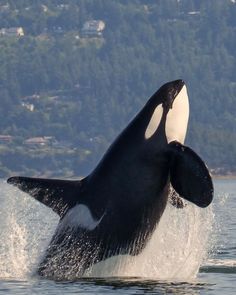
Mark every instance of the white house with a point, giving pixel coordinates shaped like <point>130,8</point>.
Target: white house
<point>14,32</point>
<point>93,28</point>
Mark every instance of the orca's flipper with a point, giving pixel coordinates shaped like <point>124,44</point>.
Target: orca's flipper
<point>59,195</point>
<point>189,175</point>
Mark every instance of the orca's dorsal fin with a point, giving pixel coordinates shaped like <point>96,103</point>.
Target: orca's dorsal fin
<point>189,175</point>
<point>59,195</point>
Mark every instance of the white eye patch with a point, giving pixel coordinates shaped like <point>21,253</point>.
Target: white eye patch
<point>154,122</point>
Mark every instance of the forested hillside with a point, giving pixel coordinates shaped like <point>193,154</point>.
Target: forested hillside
<point>65,95</point>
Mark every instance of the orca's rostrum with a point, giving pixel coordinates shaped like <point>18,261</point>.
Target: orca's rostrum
<point>116,208</point>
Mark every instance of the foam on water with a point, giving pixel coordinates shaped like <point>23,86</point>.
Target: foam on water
<point>26,228</point>
<point>176,250</point>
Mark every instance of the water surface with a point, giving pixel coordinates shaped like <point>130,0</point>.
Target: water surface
<point>193,251</point>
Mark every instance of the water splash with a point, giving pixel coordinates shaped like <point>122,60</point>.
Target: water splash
<point>176,250</point>
<point>26,228</point>
<point>224,245</point>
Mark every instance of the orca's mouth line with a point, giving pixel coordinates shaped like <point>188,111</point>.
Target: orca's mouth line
<point>168,103</point>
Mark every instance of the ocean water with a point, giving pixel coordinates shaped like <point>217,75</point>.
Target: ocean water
<point>193,251</point>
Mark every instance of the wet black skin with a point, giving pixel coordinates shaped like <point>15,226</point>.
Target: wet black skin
<point>129,189</point>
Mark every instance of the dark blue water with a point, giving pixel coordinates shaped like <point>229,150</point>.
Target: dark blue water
<point>193,251</point>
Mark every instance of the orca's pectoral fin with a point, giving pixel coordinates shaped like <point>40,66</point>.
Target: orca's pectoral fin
<point>57,194</point>
<point>189,175</point>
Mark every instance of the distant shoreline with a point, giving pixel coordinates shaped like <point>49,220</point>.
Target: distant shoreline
<point>228,176</point>
<point>51,174</point>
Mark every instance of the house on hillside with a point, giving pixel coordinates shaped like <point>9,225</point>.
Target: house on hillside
<point>5,8</point>
<point>194,12</point>
<point>28,106</point>
<point>12,32</point>
<point>6,138</point>
<point>93,28</point>
<point>39,141</point>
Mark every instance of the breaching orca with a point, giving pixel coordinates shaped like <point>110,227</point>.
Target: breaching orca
<point>116,208</point>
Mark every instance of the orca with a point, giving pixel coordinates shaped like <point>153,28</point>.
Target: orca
<point>116,208</point>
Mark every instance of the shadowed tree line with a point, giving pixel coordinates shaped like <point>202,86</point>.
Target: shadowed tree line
<point>85,90</point>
